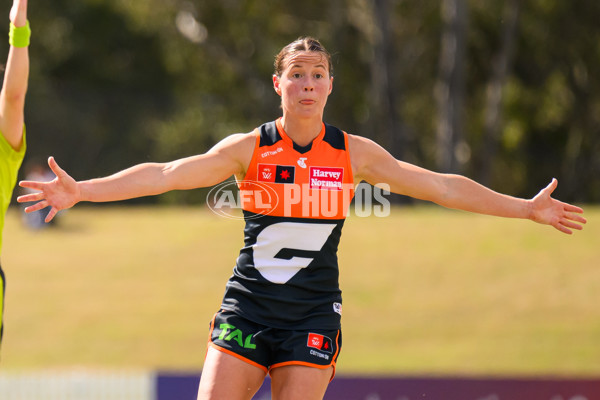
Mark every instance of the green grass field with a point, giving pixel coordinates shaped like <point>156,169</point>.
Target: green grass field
<point>426,291</point>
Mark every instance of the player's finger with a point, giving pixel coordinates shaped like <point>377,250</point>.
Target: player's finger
<point>562,228</point>
<point>577,218</point>
<point>569,224</point>
<point>571,208</point>
<point>551,187</point>
<point>58,171</point>
<point>51,214</point>
<point>36,206</point>
<point>32,185</point>
<point>556,223</point>
<point>30,197</point>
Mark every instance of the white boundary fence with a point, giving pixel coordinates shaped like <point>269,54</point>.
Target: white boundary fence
<point>77,385</point>
<point>156,385</point>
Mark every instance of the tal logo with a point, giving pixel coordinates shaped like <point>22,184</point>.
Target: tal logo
<point>301,162</point>
<point>230,332</point>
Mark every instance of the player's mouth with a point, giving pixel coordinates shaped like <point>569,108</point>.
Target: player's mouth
<point>307,102</point>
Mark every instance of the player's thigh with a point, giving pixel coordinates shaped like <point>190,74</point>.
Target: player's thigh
<point>225,377</point>
<point>296,382</point>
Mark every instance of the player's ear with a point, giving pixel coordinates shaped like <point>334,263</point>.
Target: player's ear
<point>276,84</point>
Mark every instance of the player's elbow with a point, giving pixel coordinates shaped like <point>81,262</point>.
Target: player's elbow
<point>15,98</point>
<point>455,191</point>
<point>443,190</point>
<point>168,177</point>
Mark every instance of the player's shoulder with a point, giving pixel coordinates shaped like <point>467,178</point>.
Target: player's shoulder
<point>364,153</point>
<point>240,146</point>
<point>362,144</point>
<point>238,139</point>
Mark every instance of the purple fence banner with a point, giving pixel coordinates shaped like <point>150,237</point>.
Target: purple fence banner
<point>173,386</point>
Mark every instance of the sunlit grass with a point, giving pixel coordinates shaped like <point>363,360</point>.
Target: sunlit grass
<point>426,290</point>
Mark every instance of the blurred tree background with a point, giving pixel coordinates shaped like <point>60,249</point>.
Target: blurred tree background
<point>506,92</point>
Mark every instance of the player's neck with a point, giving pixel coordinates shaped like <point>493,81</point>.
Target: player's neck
<point>302,130</point>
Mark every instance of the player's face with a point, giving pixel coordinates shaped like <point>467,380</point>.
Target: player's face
<point>304,84</point>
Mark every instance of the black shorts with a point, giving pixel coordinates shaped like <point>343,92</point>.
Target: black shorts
<point>268,348</point>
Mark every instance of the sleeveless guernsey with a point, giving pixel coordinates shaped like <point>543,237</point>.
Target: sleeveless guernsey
<point>295,201</point>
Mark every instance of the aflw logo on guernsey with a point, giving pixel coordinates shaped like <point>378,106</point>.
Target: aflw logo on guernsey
<point>276,173</point>
<point>329,178</point>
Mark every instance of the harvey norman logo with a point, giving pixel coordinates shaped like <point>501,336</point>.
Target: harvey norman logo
<point>329,178</point>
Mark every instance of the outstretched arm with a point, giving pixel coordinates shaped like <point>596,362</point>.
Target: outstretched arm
<point>12,97</point>
<point>229,157</point>
<point>375,165</point>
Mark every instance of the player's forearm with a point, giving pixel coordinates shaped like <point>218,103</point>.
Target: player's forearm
<point>16,77</point>
<point>465,194</point>
<point>17,66</point>
<point>12,98</point>
<point>138,181</point>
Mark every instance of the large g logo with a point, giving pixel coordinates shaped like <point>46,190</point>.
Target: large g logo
<point>284,248</point>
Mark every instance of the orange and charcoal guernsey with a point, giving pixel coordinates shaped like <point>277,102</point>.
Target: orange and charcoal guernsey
<point>295,201</point>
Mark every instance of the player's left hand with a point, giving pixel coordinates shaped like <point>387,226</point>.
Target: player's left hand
<point>549,211</point>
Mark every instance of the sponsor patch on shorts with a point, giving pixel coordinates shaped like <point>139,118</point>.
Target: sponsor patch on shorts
<point>320,342</point>
<point>337,307</point>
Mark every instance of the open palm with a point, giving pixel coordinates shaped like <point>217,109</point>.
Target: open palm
<point>549,211</point>
<point>60,193</point>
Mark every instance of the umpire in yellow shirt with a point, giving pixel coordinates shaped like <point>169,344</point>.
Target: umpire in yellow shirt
<point>12,126</point>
